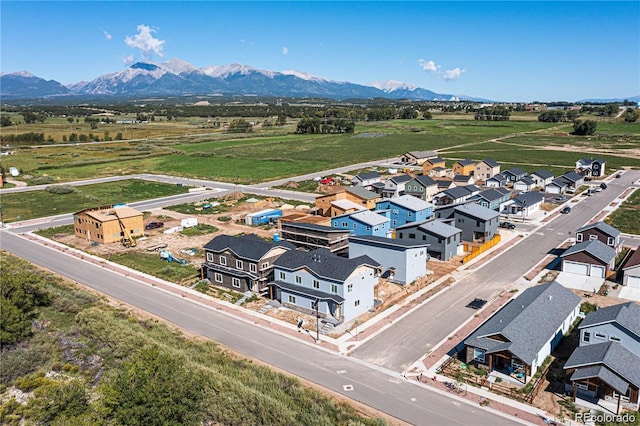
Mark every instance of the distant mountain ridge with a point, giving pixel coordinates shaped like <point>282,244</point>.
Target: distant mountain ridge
<point>177,77</point>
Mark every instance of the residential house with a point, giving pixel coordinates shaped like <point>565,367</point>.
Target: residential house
<point>492,198</point>
<point>521,335</point>
<point>631,271</point>
<point>590,167</point>
<point>365,180</point>
<point>542,178</point>
<point>478,224</point>
<point>592,258</point>
<point>514,174</point>
<point>463,180</point>
<point>525,184</point>
<point>486,169</point>
<point>242,263</point>
<point>456,195</point>
<point>378,188</point>
<point>311,236</point>
<point>323,284</point>
<point>557,186</point>
<point>395,186</point>
<point>433,163</point>
<point>618,323</point>
<point>108,224</point>
<point>444,241</point>
<point>422,187</point>
<point>340,207</point>
<point>362,196</point>
<point>444,184</point>
<point>602,232</point>
<point>463,167</point>
<point>497,181</point>
<point>440,172</point>
<point>402,261</point>
<point>325,206</point>
<point>525,204</point>
<point>364,222</point>
<point>417,157</point>
<point>573,179</point>
<point>404,208</point>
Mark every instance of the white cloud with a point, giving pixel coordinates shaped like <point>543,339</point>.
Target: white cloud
<point>285,50</point>
<point>107,35</point>
<point>429,66</point>
<point>128,60</point>
<point>145,41</point>
<point>453,74</point>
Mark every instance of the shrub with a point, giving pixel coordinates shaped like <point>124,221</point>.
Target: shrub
<point>61,189</point>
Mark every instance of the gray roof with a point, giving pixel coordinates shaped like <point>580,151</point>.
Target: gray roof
<point>491,162</point>
<point>528,198</point>
<point>313,227</point>
<point>425,180</point>
<point>595,248</point>
<point>618,362</point>
<point>444,183</point>
<point>527,180</point>
<point>322,263</point>
<point>589,161</point>
<point>601,226</point>
<point>625,314</point>
<point>477,211</point>
<point>436,160</point>
<point>457,192</point>
<point>559,182</point>
<point>422,154</point>
<point>249,247</point>
<point>466,162</point>
<point>526,322</point>
<point>386,242</point>
<point>516,171</point>
<point>493,194</point>
<point>462,178</point>
<point>410,202</point>
<point>633,260</point>
<point>369,218</point>
<point>572,176</point>
<point>362,193</point>
<point>543,174</point>
<point>439,229</point>
<point>401,178</point>
<point>367,176</point>
<point>500,177</point>
<point>306,291</point>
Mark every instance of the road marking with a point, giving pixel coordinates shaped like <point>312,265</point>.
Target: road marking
<point>414,400</point>
<point>457,404</point>
<point>341,372</point>
<point>347,388</point>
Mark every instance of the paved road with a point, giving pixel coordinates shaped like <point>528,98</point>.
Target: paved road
<point>375,387</point>
<point>403,343</point>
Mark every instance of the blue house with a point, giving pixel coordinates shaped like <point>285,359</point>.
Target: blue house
<point>404,209</point>
<point>319,282</point>
<point>364,222</point>
<point>492,198</point>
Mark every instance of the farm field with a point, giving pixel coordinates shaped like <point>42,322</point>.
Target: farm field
<point>259,157</point>
<point>625,218</point>
<point>29,205</point>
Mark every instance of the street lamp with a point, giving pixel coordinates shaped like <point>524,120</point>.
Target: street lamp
<point>316,306</point>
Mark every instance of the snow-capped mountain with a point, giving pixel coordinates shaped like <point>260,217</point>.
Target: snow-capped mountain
<point>177,77</point>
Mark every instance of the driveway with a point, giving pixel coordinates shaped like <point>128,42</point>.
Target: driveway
<point>579,282</point>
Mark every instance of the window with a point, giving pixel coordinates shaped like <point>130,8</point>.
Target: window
<point>410,214</point>
<point>357,303</point>
<point>478,354</point>
<point>614,338</point>
<point>600,336</point>
<point>316,284</point>
<point>586,337</point>
<point>355,226</point>
<point>395,222</point>
<point>292,299</point>
<point>368,228</point>
<point>424,238</point>
<point>350,287</point>
<point>334,288</point>
<point>223,260</point>
<point>400,235</point>
<point>209,257</point>
<point>298,279</point>
<point>239,264</point>
<point>344,224</point>
<point>217,277</point>
<point>593,237</point>
<point>235,282</point>
<point>253,267</point>
<point>282,275</point>
<point>579,237</point>
<point>412,236</point>
<point>610,241</point>
<point>265,265</point>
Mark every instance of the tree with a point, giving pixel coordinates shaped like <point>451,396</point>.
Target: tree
<point>584,127</point>
<point>70,120</point>
<point>240,126</point>
<point>5,120</point>
<point>631,115</point>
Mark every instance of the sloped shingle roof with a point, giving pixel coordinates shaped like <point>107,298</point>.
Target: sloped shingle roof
<point>595,248</point>
<point>410,202</point>
<point>625,314</point>
<point>439,228</point>
<point>249,246</point>
<point>477,211</point>
<point>362,193</point>
<point>323,263</point>
<point>601,226</point>
<point>543,174</point>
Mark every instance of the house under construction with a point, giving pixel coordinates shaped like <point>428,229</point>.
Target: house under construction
<point>109,224</point>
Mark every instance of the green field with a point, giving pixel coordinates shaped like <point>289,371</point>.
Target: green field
<point>625,218</point>
<point>28,205</point>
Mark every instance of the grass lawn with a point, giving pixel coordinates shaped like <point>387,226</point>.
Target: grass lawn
<point>199,229</point>
<point>625,218</point>
<point>152,264</point>
<point>29,205</point>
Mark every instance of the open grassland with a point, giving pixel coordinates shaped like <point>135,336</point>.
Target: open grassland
<point>70,358</point>
<point>625,218</point>
<point>32,204</point>
<point>262,156</point>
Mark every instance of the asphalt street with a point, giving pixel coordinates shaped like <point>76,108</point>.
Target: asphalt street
<point>386,391</point>
<point>404,342</point>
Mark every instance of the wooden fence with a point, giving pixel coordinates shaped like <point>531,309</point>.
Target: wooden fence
<point>477,250</point>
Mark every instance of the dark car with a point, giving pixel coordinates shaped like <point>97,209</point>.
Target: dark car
<point>507,225</point>
<point>618,176</point>
<point>566,210</point>
<point>603,185</point>
<point>153,225</point>
<point>561,198</point>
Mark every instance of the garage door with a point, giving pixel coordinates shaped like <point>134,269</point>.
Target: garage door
<point>633,282</point>
<point>597,271</point>
<point>575,268</point>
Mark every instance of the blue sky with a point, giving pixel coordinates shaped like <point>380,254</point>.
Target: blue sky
<point>506,50</point>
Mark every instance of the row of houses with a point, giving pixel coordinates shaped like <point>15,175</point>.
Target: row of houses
<point>518,338</point>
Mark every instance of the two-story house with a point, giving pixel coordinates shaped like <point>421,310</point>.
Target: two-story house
<point>431,164</point>
<point>423,187</point>
<point>492,198</point>
<point>444,241</point>
<point>364,222</point>
<point>590,167</point>
<point>323,284</point>
<point>497,181</point>
<point>463,167</point>
<point>591,258</point>
<point>417,157</point>
<point>478,224</point>
<point>605,365</point>
<point>242,263</point>
<point>403,209</point>
<point>486,169</point>
<point>362,196</point>
<point>514,174</point>
<point>395,186</point>
<point>602,232</point>
<point>365,180</point>
<point>542,178</point>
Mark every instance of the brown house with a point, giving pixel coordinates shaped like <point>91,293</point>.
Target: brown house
<point>325,204</point>
<point>463,167</point>
<point>108,224</point>
<point>431,164</point>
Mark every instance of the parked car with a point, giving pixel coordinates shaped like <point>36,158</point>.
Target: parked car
<point>153,225</point>
<point>566,210</point>
<point>507,225</point>
<point>618,176</point>
<point>561,198</point>
<point>603,185</point>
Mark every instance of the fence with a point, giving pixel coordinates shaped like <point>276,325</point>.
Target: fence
<point>477,250</point>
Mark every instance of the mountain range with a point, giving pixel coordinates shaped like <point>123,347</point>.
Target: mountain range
<point>180,78</point>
